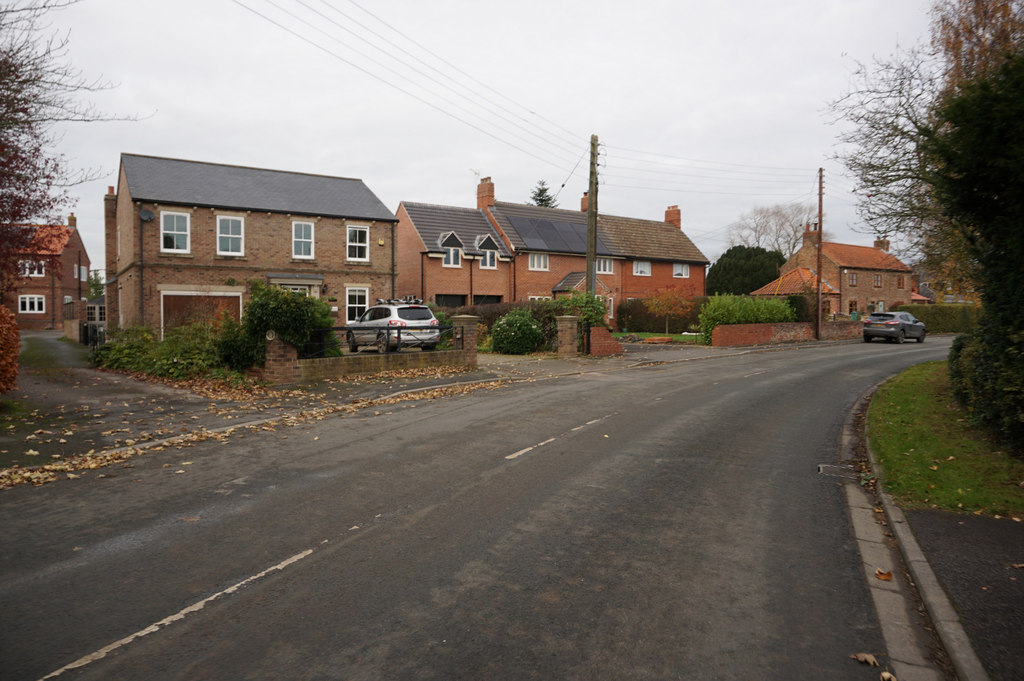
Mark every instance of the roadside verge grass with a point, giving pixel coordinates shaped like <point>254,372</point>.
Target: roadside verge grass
<point>690,338</point>
<point>931,456</point>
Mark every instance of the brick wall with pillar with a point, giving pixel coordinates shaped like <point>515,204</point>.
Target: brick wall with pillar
<point>282,361</point>
<point>465,336</point>
<point>567,326</point>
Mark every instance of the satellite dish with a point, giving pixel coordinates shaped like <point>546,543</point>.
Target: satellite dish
<point>146,215</point>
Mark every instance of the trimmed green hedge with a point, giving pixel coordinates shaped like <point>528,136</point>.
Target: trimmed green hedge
<point>742,310</point>
<point>958,318</point>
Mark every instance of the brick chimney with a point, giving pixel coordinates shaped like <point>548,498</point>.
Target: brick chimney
<point>72,221</point>
<point>484,193</point>
<point>811,234</point>
<point>674,216</point>
<point>110,242</point>
<point>882,244</point>
<point>585,202</point>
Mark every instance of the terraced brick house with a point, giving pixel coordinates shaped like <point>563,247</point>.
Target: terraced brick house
<point>51,277</point>
<point>541,253</point>
<point>183,239</point>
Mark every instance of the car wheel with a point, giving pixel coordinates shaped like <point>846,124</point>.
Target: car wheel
<point>867,339</point>
<point>920,339</point>
<point>900,337</point>
<point>352,345</point>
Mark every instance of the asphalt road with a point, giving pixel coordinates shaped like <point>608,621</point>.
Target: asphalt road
<point>666,522</point>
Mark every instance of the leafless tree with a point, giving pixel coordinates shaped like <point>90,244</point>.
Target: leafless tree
<point>774,228</point>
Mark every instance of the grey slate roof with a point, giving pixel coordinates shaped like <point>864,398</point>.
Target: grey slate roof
<point>195,183</point>
<point>435,223</point>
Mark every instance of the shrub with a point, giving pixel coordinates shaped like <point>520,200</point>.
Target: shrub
<point>986,370</point>
<point>950,318</point>
<point>742,310</point>
<point>128,349</point>
<point>186,352</point>
<point>10,344</point>
<point>517,333</point>
<point>634,316</point>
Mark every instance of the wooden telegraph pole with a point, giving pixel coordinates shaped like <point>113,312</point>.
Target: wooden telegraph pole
<point>821,191</point>
<point>592,219</point>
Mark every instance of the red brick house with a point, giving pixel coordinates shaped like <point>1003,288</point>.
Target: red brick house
<point>51,277</point>
<point>541,253</point>
<point>862,278</point>
<point>183,238</point>
<point>801,282</point>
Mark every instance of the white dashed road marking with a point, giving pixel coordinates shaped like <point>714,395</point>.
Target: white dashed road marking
<point>516,455</point>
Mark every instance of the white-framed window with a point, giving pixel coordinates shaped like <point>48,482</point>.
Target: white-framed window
<point>539,262</point>
<point>32,304</point>
<point>489,260</point>
<point>681,270</point>
<point>230,235</point>
<point>358,243</point>
<point>32,268</point>
<point>356,302</point>
<point>641,268</point>
<point>302,240</point>
<point>85,274</point>
<point>452,258</point>
<point>174,232</point>
<point>878,281</point>
<point>69,299</point>
<point>604,265</point>
<point>74,269</point>
<point>538,297</point>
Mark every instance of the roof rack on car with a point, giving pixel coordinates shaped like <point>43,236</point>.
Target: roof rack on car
<point>407,300</point>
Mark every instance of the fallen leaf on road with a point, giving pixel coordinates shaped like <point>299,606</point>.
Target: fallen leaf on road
<point>178,471</point>
<point>886,676</point>
<point>866,658</point>
<point>883,575</point>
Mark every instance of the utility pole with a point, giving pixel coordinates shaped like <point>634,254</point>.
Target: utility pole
<point>821,192</point>
<point>592,219</point>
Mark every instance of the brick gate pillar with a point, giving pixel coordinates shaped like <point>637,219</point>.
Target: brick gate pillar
<point>465,336</point>
<point>568,329</point>
<point>282,360</point>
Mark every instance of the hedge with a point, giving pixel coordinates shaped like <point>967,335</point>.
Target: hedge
<point>10,346</point>
<point>946,318</point>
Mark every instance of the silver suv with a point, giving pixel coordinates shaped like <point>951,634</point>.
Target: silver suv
<point>893,327</point>
<point>391,324</point>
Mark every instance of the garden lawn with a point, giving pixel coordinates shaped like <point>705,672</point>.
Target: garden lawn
<point>931,456</point>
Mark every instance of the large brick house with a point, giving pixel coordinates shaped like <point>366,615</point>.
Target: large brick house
<point>538,253</point>
<point>50,277</point>
<point>859,279</point>
<point>183,239</point>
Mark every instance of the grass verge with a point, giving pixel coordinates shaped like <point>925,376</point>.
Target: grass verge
<point>690,338</point>
<point>931,456</point>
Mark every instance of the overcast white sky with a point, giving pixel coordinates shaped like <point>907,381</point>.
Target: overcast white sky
<point>716,107</point>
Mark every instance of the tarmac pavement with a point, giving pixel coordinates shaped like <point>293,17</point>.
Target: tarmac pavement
<point>968,570</point>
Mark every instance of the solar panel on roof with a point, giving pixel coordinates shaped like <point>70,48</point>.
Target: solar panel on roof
<point>555,236</point>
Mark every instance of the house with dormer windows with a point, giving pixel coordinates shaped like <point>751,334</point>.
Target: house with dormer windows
<point>538,253</point>
<point>184,238</point>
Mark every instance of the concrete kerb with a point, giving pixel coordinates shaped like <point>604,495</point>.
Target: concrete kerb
<point>940,610</point>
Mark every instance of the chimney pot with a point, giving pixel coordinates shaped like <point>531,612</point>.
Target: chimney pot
<point>484,193</point>
<point>110,190</point>
<point>674,216</point>
<point>72,220</point>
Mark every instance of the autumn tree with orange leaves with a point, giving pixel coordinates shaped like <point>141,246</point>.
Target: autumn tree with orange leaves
<point>668,302</point>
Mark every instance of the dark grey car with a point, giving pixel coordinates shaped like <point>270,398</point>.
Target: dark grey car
<point>893,327</point>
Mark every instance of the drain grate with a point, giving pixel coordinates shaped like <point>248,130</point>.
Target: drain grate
<point>836,471</point>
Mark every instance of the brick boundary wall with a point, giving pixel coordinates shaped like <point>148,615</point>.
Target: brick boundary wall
<point>726,335</point>
<point>602,344</point>
<point>282,364</point>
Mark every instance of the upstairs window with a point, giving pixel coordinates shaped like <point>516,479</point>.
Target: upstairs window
<point>539,262</point>
<point>878,281</point>
<point>489,260</point>
<point>174,232</point>
<point>32,268</point>
<point>302,240</point>
<point>230,236</point>
<point>900,282</point>
<point>452,257</point>
<point>604,265</point>
<point>853,278</point>
<point>358,243</point>
<point>641,268</point>
<point>681,270</point>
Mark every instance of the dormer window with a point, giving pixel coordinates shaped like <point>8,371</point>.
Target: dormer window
<point>452,257</point>
<point>489,260</point>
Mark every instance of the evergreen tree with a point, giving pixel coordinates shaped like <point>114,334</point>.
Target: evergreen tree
<point>541,196</point>
<point>743,269</point>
